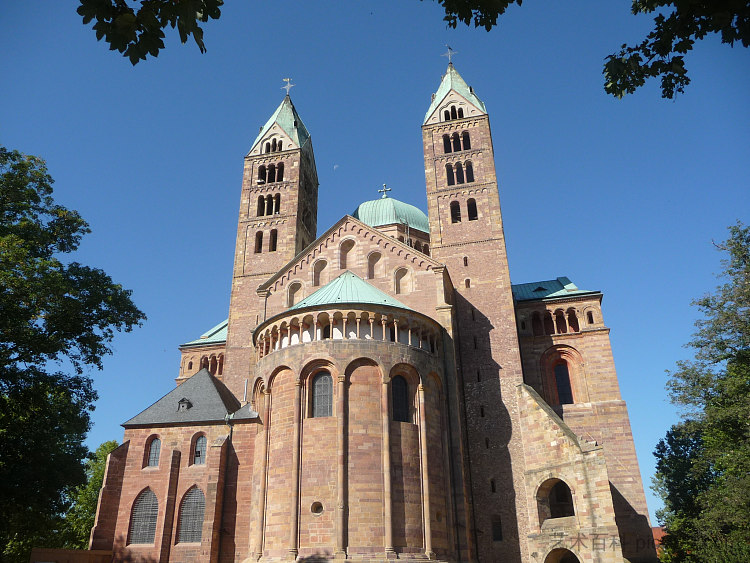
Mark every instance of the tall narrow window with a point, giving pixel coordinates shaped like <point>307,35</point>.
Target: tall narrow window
<point>400,397</point>
<point>471,204</point>
<point>456,142</point>
<point>258,242</point>
<point>562,380</point>
<point>562,326</point>
<point>466,261</point>
<point>143,518</point>
<point>199,451</point>
<point>153,453</point>
<point>278,148</point>
<point>190,524</point>
<point>262,175</point>
<point>455,212</point>
<point>326,332</point>
<point>261,206</point>
<point>467,283</point>
<point>272,240</point>
<point>469,172</point>
<point>454,115</point>
<point>549,324</point>
<point>295,292</point>
<point>497,528</point>
<point>426,249</point>
<point>449,175</point>
<point>268,147</point>
<point>373,265</point>
<point>273,145</point>
<point>269,204</point>
<point>573,321</point>
<point>590,317</point>
<point>277,203</point>
<point>318,272</point>
<point>271,175</point>
<point>345,251</point>
<point>459,173</point>
<point>280,171</point>
<point>460,113</point>
<point>466,140</point>
<point>446,115</point>
<point>446,144</point>
<point>322,395</point>
<point>402,280</point>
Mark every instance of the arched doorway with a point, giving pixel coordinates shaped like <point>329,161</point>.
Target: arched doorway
<point>561,555</point>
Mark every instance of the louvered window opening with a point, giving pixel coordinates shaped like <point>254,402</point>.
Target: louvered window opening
<point>191,516</point>
<point>153,452</point>
<point>143,518</point>
<point>322,402</point>
<point>199,455</point>
<point>400,393</point>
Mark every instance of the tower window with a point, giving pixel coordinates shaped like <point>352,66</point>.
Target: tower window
<point>268,147</point>
<point>278,148</point>
<point>549,324</point>
<point>258,242</point>
<point>590,317</point>
<point>466,260</point>
<point>447,115</point>
<point>469,172</point>
<point>573,321</point>
<point>262,175</point>
<point>471,204</point>
<point>455,212</point>
<point>280,170</point>
<point>446,144</point>
<point>153,453</point>
<point>450,178</point>
<point>273,145</point>
<point>400,397</point>
<point>261,206</point>
<point>190,523</point>
<point>426,249</point>
<point>456,142</point>
<point>467,283</point>
<point>269,204</point>
<point>562,326</point>
<point>454,114</point>
<point>460,113</point>
<point>143,518</point>
<point>271,174</point>
<point>466,140</point>
<point>277,201</point>
<point>562,381</point>
<point>272,240</point>
<point>322,395</point>
<point>459,173</point>
<point>199,451</point>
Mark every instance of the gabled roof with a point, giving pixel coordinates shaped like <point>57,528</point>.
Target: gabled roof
<point>289,120</point>
<point>389,211</point>
<point>549,289</point>
<point>348,288</point>
<point>210,401</point>
<point>216,335</point>
<point>453,81</point>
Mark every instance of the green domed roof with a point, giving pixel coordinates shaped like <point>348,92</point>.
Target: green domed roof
<point>388,211</point>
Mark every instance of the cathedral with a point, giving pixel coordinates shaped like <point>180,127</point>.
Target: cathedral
<point>381,390</point>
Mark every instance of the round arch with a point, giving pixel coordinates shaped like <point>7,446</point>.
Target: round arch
<point>558,355</point>
<point>561,555</point>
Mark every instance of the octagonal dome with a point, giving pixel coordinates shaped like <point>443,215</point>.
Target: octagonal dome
<point>389,211</point>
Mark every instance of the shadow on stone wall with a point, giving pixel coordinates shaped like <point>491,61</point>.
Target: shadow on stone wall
<point>120,553</point>
<point>636,537</point>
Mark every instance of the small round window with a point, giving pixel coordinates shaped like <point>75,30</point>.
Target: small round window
<point>316,508</point>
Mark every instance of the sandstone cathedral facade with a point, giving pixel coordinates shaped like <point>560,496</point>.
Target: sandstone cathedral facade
<point>382,391</point>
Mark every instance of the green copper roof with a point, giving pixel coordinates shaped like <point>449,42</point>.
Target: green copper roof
<point>348,288</point>
<point>216,335</point>
<point>453,81</point>
<point>388,211</point>
<point>549,289</point>
<point>289,120</point>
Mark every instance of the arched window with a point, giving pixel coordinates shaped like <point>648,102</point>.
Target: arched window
<point>326,332</point>
<point>199,450</point>
<point>345,250</point>
<point>272,240</point>
<point>269,204</point>
<point>466,260</point>
<point>190,365</point>
<point>471,204</point>
<point>277,203</point>
<point>268,147</point>
<point>322,395</point>
<point>400,397</point>
<point>418,246</point>
<point>459,173</point>
<point>455,212</point>
<point>190,523</point>
<point>469,172</point>
<point>373,265</point>
<point>456,142</point>
<point>449,175</point>
<point>590,317</point>
<point>273,145</point>
<point>446,144</point>
<point>261,206</point>
<point>549,324</point>
<point>213,364</point>
<point>271,175</point>
<point>278,147</point>
<point>467,283</point>
<point>280,170</point>
<point>318,269</point>
<point>295,292</point>
<point>258,242</point>
<point>536,324</point>
<point>466,140</point>
<point>562,326</point>
<point>401,238</point>
<point>402,280</point>
<point>447,115</point>
<point>562,381</point>
<point>143,518</point>
<point>573,321</point>
<point>153,452</point>
<point>204,362</point>
<point>460,113</point>
<point>454,115</point>
<point>262,175</point>
<point>426,249</point>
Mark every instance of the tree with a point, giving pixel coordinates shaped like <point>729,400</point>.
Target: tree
<point>50,313</point>
<point>703,464</point>
<point>138,31</point>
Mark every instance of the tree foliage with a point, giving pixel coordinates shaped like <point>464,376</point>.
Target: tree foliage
<point>703,464</point>
<point>50,312</point>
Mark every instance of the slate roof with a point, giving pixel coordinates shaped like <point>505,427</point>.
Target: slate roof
<point>289,120</point>
<point>210,401</point>
<point>549,289</point>
<point>348,288</point>
<point>216,335</point>
<point>389,211</point>
<point>453,81</point>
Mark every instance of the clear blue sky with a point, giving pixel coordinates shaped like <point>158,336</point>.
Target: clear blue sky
<point>621,196</point>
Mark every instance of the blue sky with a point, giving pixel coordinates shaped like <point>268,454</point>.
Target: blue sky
<point>623,196</point>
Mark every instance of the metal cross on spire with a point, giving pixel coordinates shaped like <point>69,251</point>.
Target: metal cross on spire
<point>450,53</point>
<point>384,191</point>
<point>288,86</point>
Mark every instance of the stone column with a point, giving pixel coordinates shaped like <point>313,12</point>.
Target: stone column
<point>343,328</point>
<point>359,335</point>
<point>294,513</point>
<point>390,553</point>
<point>395,330</point>
<point>260,527</point>
<point>315,327</point>
<point>425,476</point>
<point>383,322</point>
<point>340,552</point>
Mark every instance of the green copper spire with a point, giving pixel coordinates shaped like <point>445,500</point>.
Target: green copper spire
<point>289,120</point>
<point>452,81</point>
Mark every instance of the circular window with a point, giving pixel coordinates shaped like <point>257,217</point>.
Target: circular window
<point>316,508</point>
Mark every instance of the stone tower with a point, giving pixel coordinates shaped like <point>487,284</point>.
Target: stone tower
<point>466,232</point>
<point>278,218</point>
